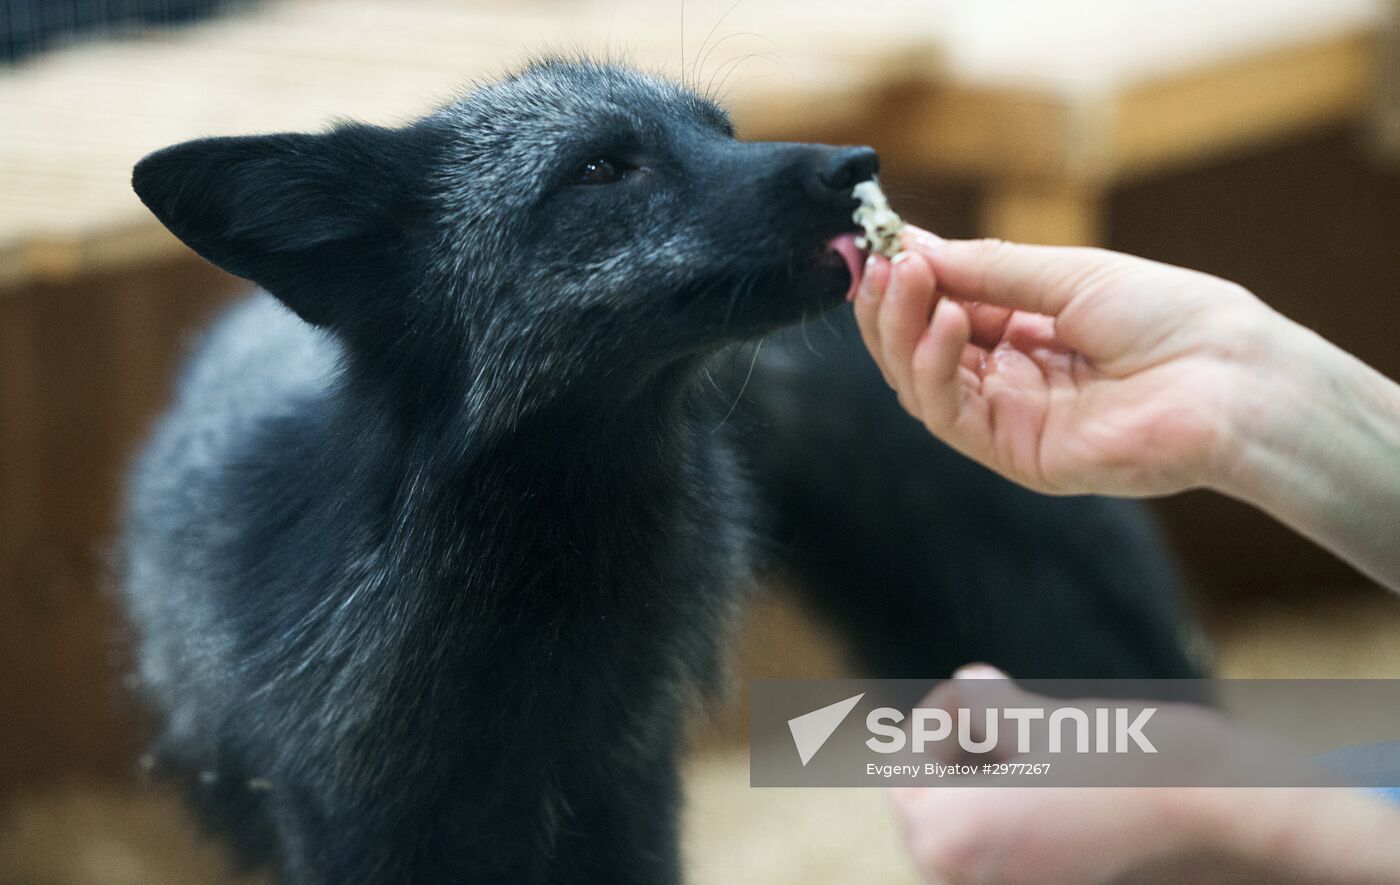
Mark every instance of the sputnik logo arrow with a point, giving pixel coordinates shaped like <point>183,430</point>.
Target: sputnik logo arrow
<point>811,730</point>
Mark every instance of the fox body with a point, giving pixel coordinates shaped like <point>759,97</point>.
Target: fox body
<point>444,532</point>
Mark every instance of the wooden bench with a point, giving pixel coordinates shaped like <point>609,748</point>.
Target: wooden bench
<point>1049,105</point>
<point>1045,105</point>
<point>72,124</point>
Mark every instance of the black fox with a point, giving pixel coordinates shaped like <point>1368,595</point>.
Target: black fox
<point>442,537</point>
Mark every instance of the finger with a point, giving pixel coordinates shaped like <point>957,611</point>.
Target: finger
<point>904,315</point>
<point>989,684</point>
<point>966,698</point>
<point>985,685</point>
<point>873,282</point>
<point>915,239</point>
<point>937,363</point>
<point>974,359</point>
<point>942,697</point>
<point>989,323</point>
<point>1042,279</point>
<point>1030,331</point>
<point>979,670</point>
<point>982,687</point>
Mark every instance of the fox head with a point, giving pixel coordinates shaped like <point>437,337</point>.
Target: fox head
<point>574,223</point>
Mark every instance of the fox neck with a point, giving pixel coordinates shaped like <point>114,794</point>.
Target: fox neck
<point>584,533</point>
<point>589,473</point>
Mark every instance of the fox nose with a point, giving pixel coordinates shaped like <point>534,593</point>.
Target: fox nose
<point>844,168</point>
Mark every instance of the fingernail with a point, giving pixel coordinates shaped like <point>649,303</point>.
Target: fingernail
<point>874,278</point>
<point>865,277</point>
<point>899,258</point>
<point>894,282</point>
<point>928,240</point>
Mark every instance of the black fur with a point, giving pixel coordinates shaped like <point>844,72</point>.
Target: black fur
<point>925,560</point>
<point>428,575</point>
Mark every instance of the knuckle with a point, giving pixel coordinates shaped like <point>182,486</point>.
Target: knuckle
<point>1095,269</point>
<point>1237,293</point>
<point>992,248</point>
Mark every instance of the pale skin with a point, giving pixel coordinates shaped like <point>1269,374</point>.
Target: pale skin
<point>1078,371</point>
<point>1146,836</point>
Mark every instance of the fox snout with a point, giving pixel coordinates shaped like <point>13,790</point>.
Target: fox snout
<point>836,170</point>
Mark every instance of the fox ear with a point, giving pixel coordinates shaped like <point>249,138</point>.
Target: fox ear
<point>320,221</point>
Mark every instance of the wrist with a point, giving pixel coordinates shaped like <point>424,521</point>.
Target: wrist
<point>1242,825</point>
<point>1280,410</point>
<point>1314,441</point>
<point>1316,835</point>
<point>1289,834</point>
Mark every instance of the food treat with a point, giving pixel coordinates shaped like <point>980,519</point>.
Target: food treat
<point>882,226</point>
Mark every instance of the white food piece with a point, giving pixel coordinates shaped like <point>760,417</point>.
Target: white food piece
<point>882,226</point>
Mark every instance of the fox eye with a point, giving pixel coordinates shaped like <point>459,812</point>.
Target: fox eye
<point>601,170</point>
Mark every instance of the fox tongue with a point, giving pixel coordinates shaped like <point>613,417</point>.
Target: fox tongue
<point>845,246</point>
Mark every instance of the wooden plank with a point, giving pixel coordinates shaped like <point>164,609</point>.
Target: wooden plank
<point>83,117</point>
<point>1387,105</point>
<point>78,120</point>
<point>100,251</point>
<point>1249,102</point>
<point>13,270</point>
<point>988,133</point>
<point>20,404</point>
<point>82,369</point>
<point>1050,212</point>
<point>1097,138</point>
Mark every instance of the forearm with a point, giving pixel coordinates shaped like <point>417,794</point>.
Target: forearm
<point>1328,835</point>
<point>1317,446</point>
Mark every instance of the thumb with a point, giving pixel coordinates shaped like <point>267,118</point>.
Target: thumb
<point>982,686</point>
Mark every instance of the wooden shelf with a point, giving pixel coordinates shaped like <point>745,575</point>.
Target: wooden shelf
<point>1046,125</point>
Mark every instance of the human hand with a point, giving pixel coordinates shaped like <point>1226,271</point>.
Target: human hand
<point>1072,836</point>
<point>1067,370</point>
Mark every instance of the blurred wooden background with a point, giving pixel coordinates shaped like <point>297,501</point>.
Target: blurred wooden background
<point>1242,144</point>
